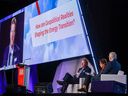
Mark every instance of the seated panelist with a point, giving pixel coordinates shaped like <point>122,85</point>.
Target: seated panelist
<point>83,72</point>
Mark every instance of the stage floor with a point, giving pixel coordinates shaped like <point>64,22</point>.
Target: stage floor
<point>65,94</point>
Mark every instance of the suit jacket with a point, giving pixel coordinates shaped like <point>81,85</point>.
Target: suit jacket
<point>16,55</point>
<point>84,72</point>
<point>112,67</point>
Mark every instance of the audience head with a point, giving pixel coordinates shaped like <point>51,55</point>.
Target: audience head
<point>84,62</point>
<point>112,56</point>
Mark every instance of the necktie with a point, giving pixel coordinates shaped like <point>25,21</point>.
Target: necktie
<point>8,62</point>
<point>10,57</point>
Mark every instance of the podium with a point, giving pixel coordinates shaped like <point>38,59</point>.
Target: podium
<point>14,78</point>
<point>23,74</point>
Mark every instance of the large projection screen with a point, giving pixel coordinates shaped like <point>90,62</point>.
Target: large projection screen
<point>47,30</point>
<point>57,33</point>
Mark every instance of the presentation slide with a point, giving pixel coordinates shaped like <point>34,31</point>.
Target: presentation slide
<point>53,30</point>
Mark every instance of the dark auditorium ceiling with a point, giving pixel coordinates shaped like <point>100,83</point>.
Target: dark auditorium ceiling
<point>9,6</point>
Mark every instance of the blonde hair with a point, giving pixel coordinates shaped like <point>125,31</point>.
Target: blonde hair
<point>85,60</point>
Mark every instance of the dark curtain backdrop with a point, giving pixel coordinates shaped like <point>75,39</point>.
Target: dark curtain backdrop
<point>106,22</point>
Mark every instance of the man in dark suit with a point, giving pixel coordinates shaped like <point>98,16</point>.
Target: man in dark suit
<point>12,51</point>
<point>83,72</point>
<point>113,66</point>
